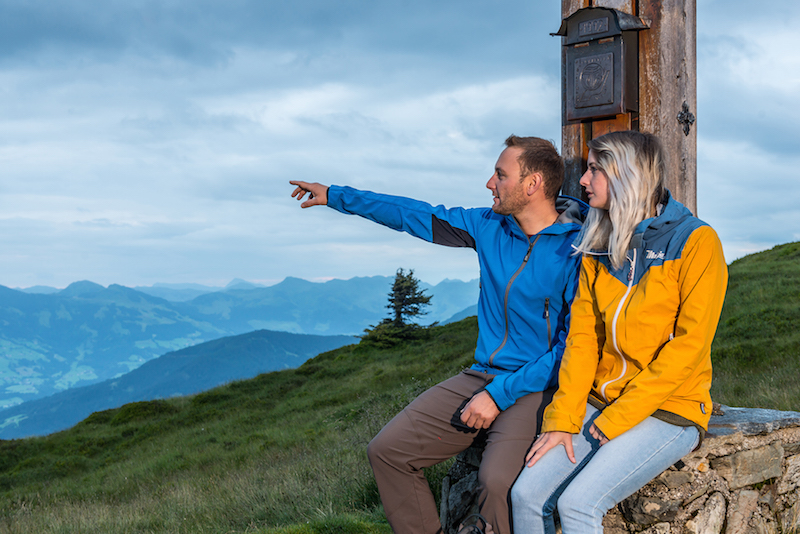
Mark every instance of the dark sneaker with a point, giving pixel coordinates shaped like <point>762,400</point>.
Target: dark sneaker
<point>471,525</point>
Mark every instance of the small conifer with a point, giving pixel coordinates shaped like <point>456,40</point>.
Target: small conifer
<point>406,301</point>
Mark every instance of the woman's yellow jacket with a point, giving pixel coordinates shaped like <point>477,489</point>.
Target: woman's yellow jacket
<point>640,337</point>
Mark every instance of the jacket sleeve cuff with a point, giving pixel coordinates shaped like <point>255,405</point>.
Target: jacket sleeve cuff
<point>609,429</point>
<point>497,391</point>
<point>335,197</point>
<point>559,422</point>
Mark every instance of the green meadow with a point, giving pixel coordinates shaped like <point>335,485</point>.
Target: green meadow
<point>756,352</point>
<point>284,453</point>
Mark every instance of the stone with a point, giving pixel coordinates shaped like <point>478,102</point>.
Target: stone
<point>768,498</point>
<point>461,500</point>
<point>675,479</point>
<point>472,456</point>
<point>614,523</point>
<point>791,479</point>
<point>709,489</point>
<point>648,510</point>
<point>750,421</point>
<point>444,511</point>
<point>748,467</point>
<point>790,518</point>
<point>459,489</point>
<point>764,526</point>
<point>696,495</point>
<point>711,517</point>
<point>658,528</point>
<point>740,511</point>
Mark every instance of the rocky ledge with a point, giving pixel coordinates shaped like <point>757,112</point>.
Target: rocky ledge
<point>745,478</point>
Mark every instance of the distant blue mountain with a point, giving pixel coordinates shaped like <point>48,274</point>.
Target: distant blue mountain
<point>45,290</point>
<point>463,314</point>
<point>238,283</point>
<point>87,333</point>
<point>177,292</point>
<point>182,372</point>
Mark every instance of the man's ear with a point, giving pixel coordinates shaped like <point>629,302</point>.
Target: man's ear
<point>535,182</point>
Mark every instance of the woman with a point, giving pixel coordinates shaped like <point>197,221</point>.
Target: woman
<point>634,382</point>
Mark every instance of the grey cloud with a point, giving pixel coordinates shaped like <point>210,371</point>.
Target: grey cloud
<point>470,34</point>
<point>175,125</point>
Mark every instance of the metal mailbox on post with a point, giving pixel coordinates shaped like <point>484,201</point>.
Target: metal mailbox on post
<point>602,62</point>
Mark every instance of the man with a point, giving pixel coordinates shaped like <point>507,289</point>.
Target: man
<point>528,280</point>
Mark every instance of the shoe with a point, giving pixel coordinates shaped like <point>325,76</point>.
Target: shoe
<point>473,528</point>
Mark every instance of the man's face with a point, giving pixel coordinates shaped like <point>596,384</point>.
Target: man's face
<point>506,183</point>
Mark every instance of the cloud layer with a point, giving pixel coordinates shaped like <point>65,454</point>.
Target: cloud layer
<point>149,141</point>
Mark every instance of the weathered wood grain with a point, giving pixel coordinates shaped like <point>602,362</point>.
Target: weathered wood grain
<point>573,135</point>
<point>667,79</point>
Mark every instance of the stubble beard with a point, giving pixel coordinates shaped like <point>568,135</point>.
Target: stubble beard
<point>509,206</point>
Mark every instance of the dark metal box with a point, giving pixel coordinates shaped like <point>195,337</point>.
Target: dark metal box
<point>602,62</point>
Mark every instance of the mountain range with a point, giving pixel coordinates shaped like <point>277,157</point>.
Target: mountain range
<point>184,372</point>
<point>52,340</point>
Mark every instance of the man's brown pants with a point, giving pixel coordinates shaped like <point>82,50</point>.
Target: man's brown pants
<point>429,431</point>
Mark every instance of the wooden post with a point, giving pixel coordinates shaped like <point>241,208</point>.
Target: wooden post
<point>667,80</point>
<point>573,134</point>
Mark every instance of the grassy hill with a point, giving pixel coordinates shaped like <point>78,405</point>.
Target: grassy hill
<point>183,372</point>
<point>756,352</point>
<point>284,453</point>
<point>281,449</point>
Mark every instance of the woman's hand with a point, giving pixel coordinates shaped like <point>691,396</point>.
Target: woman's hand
<point>547,441</point>
<point>598,435</point>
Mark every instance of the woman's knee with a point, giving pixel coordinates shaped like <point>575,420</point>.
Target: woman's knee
<point>519,495</point>
<point>578,502</point>
<point>528,494</point>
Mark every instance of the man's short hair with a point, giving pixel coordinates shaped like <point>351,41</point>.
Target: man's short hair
<point>540,155</point>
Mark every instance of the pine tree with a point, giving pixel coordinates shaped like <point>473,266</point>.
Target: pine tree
<point>406,299</point>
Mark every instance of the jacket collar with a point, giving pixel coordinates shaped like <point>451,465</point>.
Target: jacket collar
<point>572,214</point>
<point>673,212</point>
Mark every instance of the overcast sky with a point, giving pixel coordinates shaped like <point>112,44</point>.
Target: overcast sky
<point>152,141</point>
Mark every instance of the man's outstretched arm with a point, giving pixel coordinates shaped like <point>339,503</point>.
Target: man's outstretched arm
<point>317,193</point>
<point>454,227</point>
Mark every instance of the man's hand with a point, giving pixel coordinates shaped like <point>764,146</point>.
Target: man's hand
<point>480,411</point>
<point>547,441</point>
<point>317,193</point>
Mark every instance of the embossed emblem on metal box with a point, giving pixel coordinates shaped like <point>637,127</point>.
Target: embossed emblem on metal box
<point>594,80</point>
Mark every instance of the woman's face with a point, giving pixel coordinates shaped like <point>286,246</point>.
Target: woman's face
<point>595,181</point>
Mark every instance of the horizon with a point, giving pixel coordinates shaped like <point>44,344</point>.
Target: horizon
<point>274,282</point>
<point>269,283</point>
<point>233,281</point>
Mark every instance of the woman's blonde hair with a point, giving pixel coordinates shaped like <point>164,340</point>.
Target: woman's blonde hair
<point>634,164</point>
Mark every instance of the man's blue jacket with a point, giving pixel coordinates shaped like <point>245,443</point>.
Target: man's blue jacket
<point>527,283</point>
